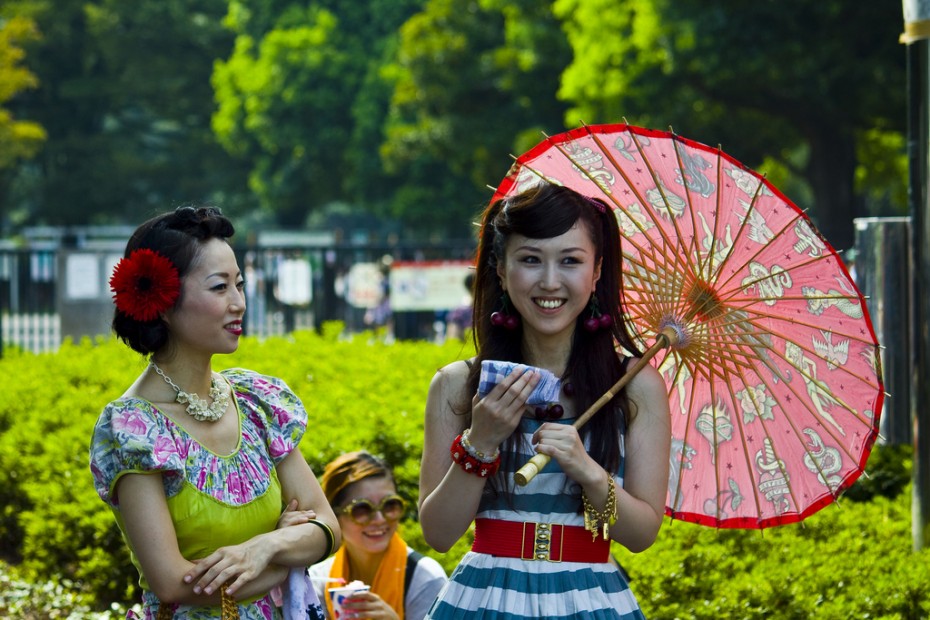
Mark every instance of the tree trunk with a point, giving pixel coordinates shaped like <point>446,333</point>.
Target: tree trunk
<point>830,171</point>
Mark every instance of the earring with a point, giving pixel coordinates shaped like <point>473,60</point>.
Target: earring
<point>503,318</point>
<point>597,320</point>
<point>554,411</point>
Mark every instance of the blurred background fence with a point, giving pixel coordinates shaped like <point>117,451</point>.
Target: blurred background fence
<point>292,281</point>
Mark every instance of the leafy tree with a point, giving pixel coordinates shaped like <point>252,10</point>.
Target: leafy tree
<point>125,98</point>
<point>301,99</point>
<point>406,114</point>
<point>18,139</point>
<point>810,86</point>
<point>474,82</point>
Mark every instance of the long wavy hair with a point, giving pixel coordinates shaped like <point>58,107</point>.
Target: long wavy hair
<point>594,365</point>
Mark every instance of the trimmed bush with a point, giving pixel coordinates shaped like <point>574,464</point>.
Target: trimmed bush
<point>853,560</point>
<point>359,393</point>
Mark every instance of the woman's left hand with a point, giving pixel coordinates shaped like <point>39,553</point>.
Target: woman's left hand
<point>292,516</point>
<point>562,443</point>
<point>367,605</point>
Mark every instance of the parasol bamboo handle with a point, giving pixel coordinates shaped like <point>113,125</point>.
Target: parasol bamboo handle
<point>666,338</point>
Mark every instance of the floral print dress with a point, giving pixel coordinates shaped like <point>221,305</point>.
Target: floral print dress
<point>214,500</point>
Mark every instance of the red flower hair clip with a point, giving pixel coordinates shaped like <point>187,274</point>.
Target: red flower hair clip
<point>145,284</point>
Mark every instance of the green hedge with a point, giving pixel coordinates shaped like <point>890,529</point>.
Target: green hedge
<point>359,392</point>
<point>853,560</point>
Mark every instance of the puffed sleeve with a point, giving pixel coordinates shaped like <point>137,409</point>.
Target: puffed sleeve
<point>130,437</point>
<point>274,407</point>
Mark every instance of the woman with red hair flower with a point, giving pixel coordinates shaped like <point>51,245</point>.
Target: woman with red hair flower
<point>202,469</point>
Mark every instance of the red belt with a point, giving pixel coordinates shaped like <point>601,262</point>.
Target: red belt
<point>539,541</point>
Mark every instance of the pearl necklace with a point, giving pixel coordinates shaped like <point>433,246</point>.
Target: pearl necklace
<point>197,407</point>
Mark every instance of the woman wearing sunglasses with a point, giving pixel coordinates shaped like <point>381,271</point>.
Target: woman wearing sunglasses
<point>403,583</point>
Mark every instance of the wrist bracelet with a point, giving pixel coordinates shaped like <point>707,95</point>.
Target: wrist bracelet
<point>481,456</point>
<point>600,521</point>
<point>471,464</point>
<point>330,538</point>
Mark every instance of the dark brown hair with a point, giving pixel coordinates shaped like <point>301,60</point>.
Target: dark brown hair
<point>594,365</point>
<point>179,236</point>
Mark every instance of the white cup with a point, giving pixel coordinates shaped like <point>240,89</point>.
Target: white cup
<point>338,595</point>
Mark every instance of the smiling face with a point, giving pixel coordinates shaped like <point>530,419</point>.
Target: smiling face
<point>550,281</point>
<point>208,317</point>
<point>373,537</point>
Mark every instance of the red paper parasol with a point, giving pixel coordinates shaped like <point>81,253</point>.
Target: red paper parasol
<point>775,382</point>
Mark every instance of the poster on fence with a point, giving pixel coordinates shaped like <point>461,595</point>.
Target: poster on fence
<point>294,282</point>
<point>82,276</point>
<point>428,285</point>
<point>364,285</point>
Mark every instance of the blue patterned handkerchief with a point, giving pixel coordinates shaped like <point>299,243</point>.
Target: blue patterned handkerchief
<point>546,391</point>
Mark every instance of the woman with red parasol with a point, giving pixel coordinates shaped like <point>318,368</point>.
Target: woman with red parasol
<point>547,299</point>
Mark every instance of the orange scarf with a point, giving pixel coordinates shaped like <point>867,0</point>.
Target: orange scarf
<point>389,580</point>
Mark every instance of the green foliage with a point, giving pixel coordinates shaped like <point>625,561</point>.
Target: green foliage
<point>18,139</point>
<point>54,598</point>
<point>853,560</point>
<point>470,81</point>
<point>850,561</point>
<point>301,98</point>
<point>359,393</point>
<point>887,473</point>
<point>882,171</point>
<point>393,107</point>
<point>124,97</point>
<point>761,79</point>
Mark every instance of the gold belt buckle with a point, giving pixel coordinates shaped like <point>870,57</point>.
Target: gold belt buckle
<point>541,535</point>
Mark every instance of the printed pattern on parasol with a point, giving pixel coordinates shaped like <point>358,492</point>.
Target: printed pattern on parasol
<point>775,382</point>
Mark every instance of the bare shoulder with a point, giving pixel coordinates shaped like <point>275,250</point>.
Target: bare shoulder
<point>451,376</point>
<point>647,387</point>
<point>447,387</point>
<point>649,395</point>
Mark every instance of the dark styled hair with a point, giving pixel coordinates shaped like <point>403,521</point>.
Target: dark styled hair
<point>349,468</point>
<point>179,236</point>
<point>594,365</point>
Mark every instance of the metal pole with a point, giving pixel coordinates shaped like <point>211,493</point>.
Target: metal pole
<point>916,34</point>
<point>883,276</point>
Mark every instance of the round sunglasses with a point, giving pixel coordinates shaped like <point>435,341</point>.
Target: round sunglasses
<point>363,510</point>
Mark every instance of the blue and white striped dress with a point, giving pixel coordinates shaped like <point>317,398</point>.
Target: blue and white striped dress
<point>484,586</point>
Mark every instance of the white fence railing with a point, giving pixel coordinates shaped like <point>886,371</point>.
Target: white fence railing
<point>41,332</point>
<point>36,333</point>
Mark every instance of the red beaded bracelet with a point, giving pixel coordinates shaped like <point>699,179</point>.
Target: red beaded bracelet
<point>469,463</point>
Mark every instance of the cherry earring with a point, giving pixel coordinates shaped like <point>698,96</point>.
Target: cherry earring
<point>503,318</point>
<point>597,320</point>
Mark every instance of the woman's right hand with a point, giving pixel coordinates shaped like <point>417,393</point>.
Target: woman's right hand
<point>495,416</point>
<point>367,605</point>
<point>234,566</point>
<point>449,495</point>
